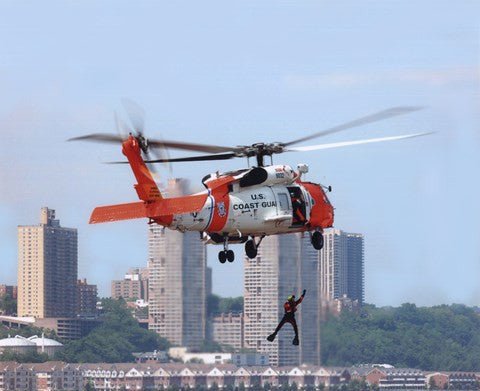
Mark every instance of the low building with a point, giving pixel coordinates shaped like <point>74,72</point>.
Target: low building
<point>65,328</point>
<point>151,357</point>
<point>402,378</point>
<point>250,359</point>
<point>227,329</point>
<point>17,344</point>
<point>133,286</point>
<point>17,377</point>
<point>331,376</point>
<point>46,345</point>
<point>57,375</point>
<point>68,328</point>
<point>462,381</point>
<point>437,380</point>
<point>86,298</point>
<point>207,358</point>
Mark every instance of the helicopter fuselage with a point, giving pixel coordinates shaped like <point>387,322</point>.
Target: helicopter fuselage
<point>238,212</point>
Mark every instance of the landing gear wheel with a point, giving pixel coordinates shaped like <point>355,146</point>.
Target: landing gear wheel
<point>250,249</point>
<point>317,240</point>
<point>230,255</point>
<point>222,256</point>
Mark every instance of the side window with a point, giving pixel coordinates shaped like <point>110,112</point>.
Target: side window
<point>283,201</point>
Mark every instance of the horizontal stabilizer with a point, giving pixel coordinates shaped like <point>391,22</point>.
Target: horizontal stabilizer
<point>105,214</point>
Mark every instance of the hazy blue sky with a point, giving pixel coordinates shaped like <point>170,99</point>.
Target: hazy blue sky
<point>241,72</point>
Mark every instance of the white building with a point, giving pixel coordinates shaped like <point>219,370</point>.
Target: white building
<point>46,345</point>
<point>17,344</point>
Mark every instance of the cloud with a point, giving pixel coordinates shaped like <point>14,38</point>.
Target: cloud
<point>432,77</point>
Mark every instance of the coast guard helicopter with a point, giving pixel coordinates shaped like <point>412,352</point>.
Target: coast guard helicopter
<point>240,206</point>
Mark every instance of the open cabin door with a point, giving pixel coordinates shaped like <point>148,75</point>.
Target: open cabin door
<point>299,210</point>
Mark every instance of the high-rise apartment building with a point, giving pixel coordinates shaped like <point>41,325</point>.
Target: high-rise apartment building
<point>177,282</point>
<point>285,265</point>
<point>342,266</point>
<point>47,268</point>
<point>133,286</point>
<point>86,298</point>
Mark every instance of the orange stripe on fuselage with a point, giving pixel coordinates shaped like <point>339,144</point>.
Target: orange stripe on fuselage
<point>219,192</point>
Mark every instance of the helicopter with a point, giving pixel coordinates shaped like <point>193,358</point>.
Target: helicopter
<point>241,206</point>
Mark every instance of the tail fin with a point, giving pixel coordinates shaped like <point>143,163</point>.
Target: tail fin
<point>146,187</point>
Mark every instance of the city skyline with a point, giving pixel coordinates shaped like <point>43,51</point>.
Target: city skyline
<point>245,73</point>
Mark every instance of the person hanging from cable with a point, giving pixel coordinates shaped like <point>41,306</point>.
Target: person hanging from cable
<point>290,308</point>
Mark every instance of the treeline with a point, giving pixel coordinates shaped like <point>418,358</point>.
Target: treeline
<point>114,340</point>
<point>217,305</point>
<point>445,337</point>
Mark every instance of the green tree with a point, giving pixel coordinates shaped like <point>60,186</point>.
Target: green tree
<point>115,339</point>
<point>434,338</point>
<point>211,347</point>
<point>217,305</point>
<point>8,305</point>
<point>32,357</point>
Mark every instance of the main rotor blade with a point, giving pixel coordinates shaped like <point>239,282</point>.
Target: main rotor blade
<point>122,129</point>
<point>190,146</point>
<point>101,137</point>
<point>136,114</point>
<point>224,156</point>
<point>356,142</point>
<point>381,115</point>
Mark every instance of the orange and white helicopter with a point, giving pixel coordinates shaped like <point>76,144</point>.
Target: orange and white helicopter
<point>241,206</point>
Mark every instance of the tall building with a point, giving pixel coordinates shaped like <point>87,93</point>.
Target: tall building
<point>177,282</point>
<point>285,265</point>
<point>208,281</point>
<point>86,298</point>
<point>342,266</point>
<point>47,268</point>
<point>133,286</point>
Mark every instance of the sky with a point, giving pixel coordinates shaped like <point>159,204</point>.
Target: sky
<point>232,73</point>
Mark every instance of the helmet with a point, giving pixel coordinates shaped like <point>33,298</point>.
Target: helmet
<point>291,297</point>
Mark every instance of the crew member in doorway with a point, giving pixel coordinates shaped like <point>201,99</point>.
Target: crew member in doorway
<point>290,308</point>
<point>298,217</point>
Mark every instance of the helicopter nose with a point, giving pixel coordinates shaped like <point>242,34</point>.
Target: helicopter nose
<point>328,220</point>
